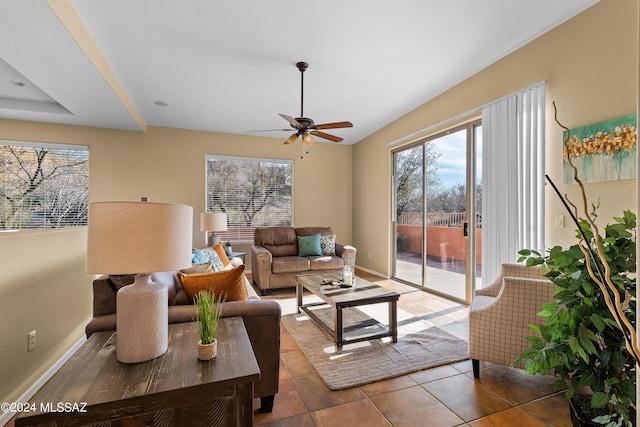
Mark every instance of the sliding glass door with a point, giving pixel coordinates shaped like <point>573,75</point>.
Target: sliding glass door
<point>437,215</point>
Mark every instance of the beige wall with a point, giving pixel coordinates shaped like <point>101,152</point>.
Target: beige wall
<point>43,285</point>
<point>590,65</point>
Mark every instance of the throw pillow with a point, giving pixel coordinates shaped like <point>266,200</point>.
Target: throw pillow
<point>213,258</point>
<point>223,256</point>
<point>309,245</point>
<point>328,244</point>
<point>198,257</point>
<point>231,282</point>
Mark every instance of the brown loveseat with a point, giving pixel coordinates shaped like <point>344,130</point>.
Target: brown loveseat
<point>275,260</point>
<point>261,319</point>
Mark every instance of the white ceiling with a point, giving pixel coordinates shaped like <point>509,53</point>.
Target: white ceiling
<point>229,66</point>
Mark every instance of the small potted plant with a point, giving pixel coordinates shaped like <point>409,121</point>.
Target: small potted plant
<point>209,310</point>
<point>227,247</point>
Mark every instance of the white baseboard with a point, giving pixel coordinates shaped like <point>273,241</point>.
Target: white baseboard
<point>6,417</point>
<point>375,273</point>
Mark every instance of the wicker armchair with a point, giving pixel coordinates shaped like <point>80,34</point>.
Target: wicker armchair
<point>500,314</point>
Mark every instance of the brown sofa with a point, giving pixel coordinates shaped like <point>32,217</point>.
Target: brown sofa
<point>274,256</point>
<point>261,319</point>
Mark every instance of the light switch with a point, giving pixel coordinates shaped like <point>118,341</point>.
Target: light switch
<point>559,221</point>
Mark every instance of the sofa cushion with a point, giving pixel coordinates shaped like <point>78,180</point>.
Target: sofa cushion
<point>309,231</point>
<point>328,244</point>
<point>280,241</point>
<point>198,268</point>
<point>325,262</point>
<point>231,282</point>
<point>289,264</point>
<point>170,280</point>
<point>309,245</point>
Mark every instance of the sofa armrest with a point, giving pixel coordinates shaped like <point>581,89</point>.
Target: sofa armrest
<point>346,252</point>
<point>260,266</point>
<point>262,322</point>
<point>106,322</point>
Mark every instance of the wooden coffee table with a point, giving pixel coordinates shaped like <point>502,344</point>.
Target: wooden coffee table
<point>341,298</point>
<point>93,388</point>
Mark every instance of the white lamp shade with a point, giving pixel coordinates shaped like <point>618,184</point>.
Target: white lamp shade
<point>213,221</point>
<point>138,237</point>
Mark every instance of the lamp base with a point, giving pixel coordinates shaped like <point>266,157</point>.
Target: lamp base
<point>142,320</point>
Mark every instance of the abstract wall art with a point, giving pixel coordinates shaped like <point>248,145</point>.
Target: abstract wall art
<point>603,151</point>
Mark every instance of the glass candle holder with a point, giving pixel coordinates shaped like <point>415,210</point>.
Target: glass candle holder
<point>347,275</point>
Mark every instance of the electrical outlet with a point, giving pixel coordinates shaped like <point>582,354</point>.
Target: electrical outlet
<point>369,255</point>
<point>31,340</point>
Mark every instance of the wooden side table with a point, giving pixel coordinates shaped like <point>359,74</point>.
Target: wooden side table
<point>173,389</point>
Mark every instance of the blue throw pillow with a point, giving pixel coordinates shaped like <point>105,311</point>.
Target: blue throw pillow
<point>309,245</point>
<point>198,257</point>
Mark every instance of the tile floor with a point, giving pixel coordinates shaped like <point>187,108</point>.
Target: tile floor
<point>438,397</point>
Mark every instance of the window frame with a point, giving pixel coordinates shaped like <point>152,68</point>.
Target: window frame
<point>242,233</point>
<point>45,224</point>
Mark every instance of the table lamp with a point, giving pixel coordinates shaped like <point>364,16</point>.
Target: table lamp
<point>139,238</point>
<point>212,222</point>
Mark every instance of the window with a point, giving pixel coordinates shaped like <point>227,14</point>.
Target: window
<point>43,186</point>
<point>253,192</point>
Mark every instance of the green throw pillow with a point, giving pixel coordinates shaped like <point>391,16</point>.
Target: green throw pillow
<point>309,245</point>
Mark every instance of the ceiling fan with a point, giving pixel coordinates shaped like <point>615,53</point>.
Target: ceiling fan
<point>305,127</point>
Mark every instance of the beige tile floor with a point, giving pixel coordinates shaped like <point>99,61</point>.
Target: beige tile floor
<point>438,397</point>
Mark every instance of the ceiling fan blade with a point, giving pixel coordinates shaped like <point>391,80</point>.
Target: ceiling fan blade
<point>326,136</point>
<point>335,125</point>
<point>270,130</point>
<point>291,120</point>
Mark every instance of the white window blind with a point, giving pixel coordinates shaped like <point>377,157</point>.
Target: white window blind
<point>43,185</point>
<point>513,178</point>
<point>253,192</point>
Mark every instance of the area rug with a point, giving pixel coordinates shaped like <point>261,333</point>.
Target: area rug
<point>370,361</point>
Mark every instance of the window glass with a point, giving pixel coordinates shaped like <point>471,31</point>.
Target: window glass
<point>253,192</point>
<point>43,186</point>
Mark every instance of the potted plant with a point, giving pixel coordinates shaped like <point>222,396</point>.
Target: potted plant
<point>209,310</point>
<point>589,336</point>
<point>227,247</point>
<point>581,339</point>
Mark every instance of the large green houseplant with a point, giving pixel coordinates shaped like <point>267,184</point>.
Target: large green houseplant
<point>581,340</point>
<point>589,336</point>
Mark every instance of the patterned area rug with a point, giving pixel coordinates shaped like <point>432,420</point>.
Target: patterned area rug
<point>370,361</point>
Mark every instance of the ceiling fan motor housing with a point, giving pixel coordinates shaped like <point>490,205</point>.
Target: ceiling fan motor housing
<point>304,121</point>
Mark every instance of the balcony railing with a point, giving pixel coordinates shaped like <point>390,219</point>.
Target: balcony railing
<point>437,219</point>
